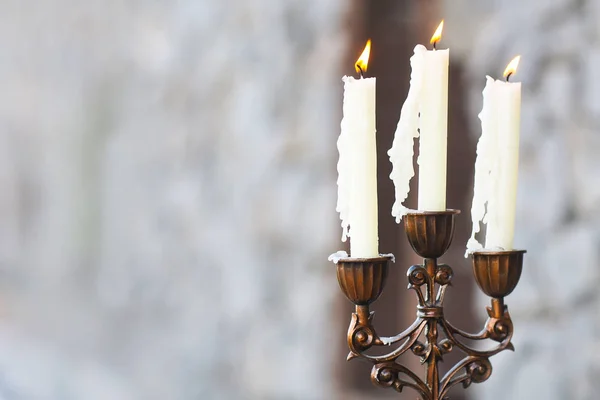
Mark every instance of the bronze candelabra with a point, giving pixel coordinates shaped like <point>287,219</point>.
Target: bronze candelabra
<point>362,281</point>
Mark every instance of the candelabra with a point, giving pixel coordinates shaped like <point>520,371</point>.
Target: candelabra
<point>362,281</point>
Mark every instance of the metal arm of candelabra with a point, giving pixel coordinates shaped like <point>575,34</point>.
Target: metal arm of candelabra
<point>362,280</point>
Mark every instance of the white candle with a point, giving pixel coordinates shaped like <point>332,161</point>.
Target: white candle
<point>496,167</point>
<point>433,124</point>
<point>357,166</point>
<point>425,109</point>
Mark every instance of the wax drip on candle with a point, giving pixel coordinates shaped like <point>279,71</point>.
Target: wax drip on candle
<point>484,164</point>
<point>401,154</point>
<point>344,180</point>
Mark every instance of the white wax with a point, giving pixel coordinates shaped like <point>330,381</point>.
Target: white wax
<point>357,168</point>
<point>483,166</point>
<point>503,200</point>
<point>425,109</point>
<point>433,124</point>
<point>401,153</point>
<point>496,167</point>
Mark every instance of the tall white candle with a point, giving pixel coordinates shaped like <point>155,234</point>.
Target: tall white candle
<point>357,165</point>
<point>433,125</point>
<point>496,167</point>
<point>426,111</point>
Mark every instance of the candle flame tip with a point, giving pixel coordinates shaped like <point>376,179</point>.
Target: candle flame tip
<point>363,60</point>
<point>512,66</point>
<point>437,36</point>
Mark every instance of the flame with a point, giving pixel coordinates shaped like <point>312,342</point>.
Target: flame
<point>363,60</point>
<point>511,68</point>
<point>437,36</point>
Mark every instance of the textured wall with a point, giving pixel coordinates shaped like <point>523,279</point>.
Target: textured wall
<point>167,172</point>
<point>556,306</point>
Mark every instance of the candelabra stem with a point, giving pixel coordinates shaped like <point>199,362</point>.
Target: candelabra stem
<point>433,380</point>
<point>431,332</point>
<point>363,312</point>
<point>497,307</point>
<point>430,266</point>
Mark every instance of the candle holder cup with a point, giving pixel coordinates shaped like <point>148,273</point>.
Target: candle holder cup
<point>363,280</point>
<point>430,233</point>
<point>497,272</point>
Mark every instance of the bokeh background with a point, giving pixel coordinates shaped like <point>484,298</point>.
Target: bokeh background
<point>167,176</point>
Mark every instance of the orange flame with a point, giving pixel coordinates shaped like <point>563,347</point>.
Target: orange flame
<point>437,36</point>
<point>511,68</point>
<point>363,60</point>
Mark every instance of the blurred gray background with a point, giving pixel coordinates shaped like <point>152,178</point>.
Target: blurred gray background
<point>167,180</point>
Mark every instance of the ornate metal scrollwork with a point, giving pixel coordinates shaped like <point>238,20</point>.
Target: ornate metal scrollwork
<point>362,280</point>
<point>390,375</point>
<point>387,372</point>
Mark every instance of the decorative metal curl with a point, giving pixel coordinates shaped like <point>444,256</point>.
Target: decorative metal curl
<point>443,274</point>
<point>359,343</point>
<point>476,370</point>
<point>388,375</point>
<point>417,276</point>
<point>361,336</point>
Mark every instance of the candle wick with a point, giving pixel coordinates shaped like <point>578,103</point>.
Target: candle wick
<point>361,71</point>
<point>508,76</point>
<point>435,45</point>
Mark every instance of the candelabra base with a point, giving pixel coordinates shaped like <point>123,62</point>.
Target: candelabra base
<point>363,280</point>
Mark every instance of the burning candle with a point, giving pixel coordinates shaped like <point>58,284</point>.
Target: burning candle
<point>424,115</point>
<point>357,165</point>
<point>496,167</point>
